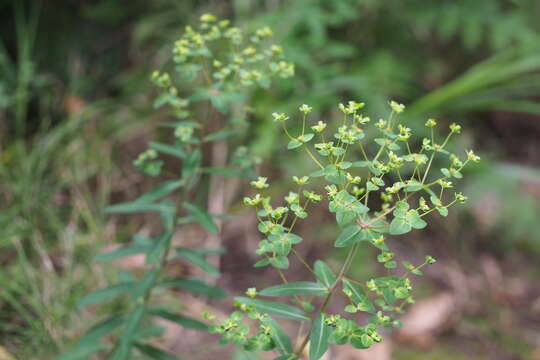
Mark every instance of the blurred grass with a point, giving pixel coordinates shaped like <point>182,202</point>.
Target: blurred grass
<point>73,86</point>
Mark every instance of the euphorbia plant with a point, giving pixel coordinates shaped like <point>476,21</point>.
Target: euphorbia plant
<point>215,65</point>
<point>375,191</point>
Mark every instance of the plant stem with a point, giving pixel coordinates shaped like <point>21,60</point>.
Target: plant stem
<point>322,309</point>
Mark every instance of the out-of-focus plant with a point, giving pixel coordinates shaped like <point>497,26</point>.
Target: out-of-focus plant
<point>221,62</point>
<point>384,194</point>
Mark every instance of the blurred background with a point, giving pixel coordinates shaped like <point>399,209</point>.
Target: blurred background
<point>76,108</point>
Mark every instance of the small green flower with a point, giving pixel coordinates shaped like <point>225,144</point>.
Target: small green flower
<point>301,181</point>
<point>260,183</point>
<point>319,127</point>
<point>313,197</point>
<point>455,128</point>
<point>208,18</point>
<point>430,260</point>
<point>280,117</point>
<point>460,197</point>
<point>472,156</point>
<point>397,107</point>
<point>306,109</point>
<point>431,123</point>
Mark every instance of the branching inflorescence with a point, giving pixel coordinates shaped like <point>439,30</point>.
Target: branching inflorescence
<point>389,192</point>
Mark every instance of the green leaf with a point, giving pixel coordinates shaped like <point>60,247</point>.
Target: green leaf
<point>147,282</point>
<point>348,236</point>
<point>399,226</point>
<point>202,217</point>
<point>219,135</point>
<point>168,149</point>
<point>160,191</point>
<point>121,252</point>
<point>295,288</point>
<point>280,262</point>
<point>148,331</point>
<point>103,328</point>
<point>179,319</point>
<point>197,259</point>
<point>135,207</point>
<point>196,286</point>
<point>280,337</point>
<point>82,352</point>
<point>133,320</point>
<point>274,308</point>
<point>324,274</point>
<point>443,211</point>
<point>106,293</point>
<point>359,296</point>
<point>153,352</point>
<point>293,144</point>
<point>157,248</point>
<point>318,338</point>
<point>413,185</point>
<point>228,172</point>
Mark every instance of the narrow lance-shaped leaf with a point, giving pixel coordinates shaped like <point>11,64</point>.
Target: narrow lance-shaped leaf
<point>280,337</point>
<point>196,286</point>
<point>121,252</point>
<point>274,308</point>
<point>160,191</point>
<point>318,338</point>
<point>296,288</point>
<point>106,293</point>
<point>197,259</point>
<point>133,320</point>
<point>324,273</point>
<point>153,352</point>
<point>179,319</point>
<point>157,248</point>
<point>168,149</point>
<point>202,217</point>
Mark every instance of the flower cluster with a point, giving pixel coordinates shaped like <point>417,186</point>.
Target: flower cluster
<point>374,196</point>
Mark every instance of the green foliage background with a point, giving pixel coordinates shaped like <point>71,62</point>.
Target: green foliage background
<point>75,104</point>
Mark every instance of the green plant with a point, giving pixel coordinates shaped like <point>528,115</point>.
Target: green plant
<point>383,195</point>
<point>220,62</point>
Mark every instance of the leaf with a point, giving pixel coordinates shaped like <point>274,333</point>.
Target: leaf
<point>280,337</point>
<point>148,331</point>
<point>101,329</point>
<point>135,207</point>
<point>197,259</point>
<point>82,352</point>
<point>157,248</point>
<point>160,191</point>
<point>399,226</point>
<point>153,352</point>
<point>106,293</point>
<point>318,338</point>
<point>293,144</point>
<point>196,286</point>
<point>147,282</point>
<point>280,262</point>
<point>359,296</point>
<point>168,149</point>
<point>274,308</point>
<point>348,236</point>
<point>121,252</point>
<point>295,288</point>
<point>324,274</point>
<point>202,217</point>
<point>224,171</point>
<point>179,319</point>
<point>219,135</point>
<point>123,351</point>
